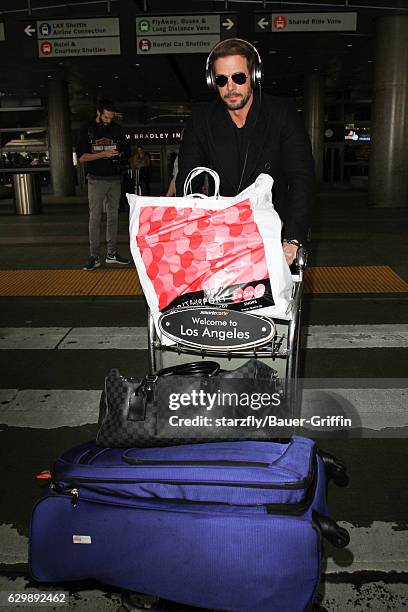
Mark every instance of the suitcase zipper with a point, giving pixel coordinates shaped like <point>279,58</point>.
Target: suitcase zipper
<point>302,484</point>
<point>210,462</point>
<point>295,509</point>
<point>75,497</point>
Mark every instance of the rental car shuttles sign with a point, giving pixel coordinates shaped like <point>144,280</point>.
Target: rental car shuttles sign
<point>216,328</point>
<point>195,33</point>
<point>78,37</point>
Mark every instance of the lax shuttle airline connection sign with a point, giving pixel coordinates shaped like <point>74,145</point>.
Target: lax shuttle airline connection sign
<point>157,34</point>
<point>78,37</point>
<point>305,22</point>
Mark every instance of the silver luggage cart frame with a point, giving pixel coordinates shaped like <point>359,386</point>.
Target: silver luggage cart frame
<point>281,352</point>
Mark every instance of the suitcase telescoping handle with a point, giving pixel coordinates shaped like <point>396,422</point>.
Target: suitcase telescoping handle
<point>336,535</point>
<point>335,469</point>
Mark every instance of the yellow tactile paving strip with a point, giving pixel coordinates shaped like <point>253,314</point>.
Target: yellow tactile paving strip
<point>43,283</point>
<point>69,282</point>
<point>354,279</point>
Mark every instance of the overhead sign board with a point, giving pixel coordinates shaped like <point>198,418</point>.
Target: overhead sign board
<point>305,22</point>
<point>78,37</point>
<point>2,33</point>
<point>157,34</point>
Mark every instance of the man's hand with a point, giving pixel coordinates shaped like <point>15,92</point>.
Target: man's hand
<point>109,153</point>
<point>289,251</point>
<point>90,157</point>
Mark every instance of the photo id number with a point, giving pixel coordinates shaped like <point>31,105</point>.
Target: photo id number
<point>34,598</point>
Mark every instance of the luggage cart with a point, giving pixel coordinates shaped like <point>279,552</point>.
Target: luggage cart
<point>281,352</point>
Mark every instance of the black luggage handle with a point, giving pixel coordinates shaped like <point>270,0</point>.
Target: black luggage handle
<point>196,368</point>
<point>335,469</point>
<point>336,535</point>
<point>144,392</point>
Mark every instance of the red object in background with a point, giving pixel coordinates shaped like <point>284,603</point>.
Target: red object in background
<point>280,22</point>
<point>46,475</point>
<point>46,48</point>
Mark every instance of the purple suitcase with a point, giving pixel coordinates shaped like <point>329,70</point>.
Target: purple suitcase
<point>228,525</point>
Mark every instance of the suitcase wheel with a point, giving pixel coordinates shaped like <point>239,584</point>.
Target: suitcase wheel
<point>336,535</point>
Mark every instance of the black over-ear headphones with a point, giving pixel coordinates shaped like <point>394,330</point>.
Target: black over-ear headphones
<point>256,72</point>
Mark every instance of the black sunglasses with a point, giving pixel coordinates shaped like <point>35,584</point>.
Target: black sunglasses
<point>238,77</point>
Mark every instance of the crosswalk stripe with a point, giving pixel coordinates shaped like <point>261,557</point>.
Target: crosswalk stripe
<point>356,336</point>
<point>316,337</point>
<point>381,547</point>
<point>377,596</point>
<point>367,409</point>
<point>48,408</point>
<point>338,596</point>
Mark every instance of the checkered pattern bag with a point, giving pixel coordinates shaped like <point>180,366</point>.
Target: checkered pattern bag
<point>137,412</point>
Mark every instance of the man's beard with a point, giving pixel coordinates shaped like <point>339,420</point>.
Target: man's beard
<point>239,103</point>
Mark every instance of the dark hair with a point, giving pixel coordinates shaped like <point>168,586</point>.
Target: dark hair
<point>105,104</point>
<point>234,46</point>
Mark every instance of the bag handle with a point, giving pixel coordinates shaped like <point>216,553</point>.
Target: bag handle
<point>188,189</point>
<point>145,391</point>
<point>196,368</point>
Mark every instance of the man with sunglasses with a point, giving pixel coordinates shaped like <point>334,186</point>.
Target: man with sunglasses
<point>246,132</point>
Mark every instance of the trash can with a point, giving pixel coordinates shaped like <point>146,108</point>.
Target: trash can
<point>27,193</point>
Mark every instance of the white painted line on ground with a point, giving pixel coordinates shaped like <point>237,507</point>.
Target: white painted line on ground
<point>317,336</point>
<point>48,409</point>
<point>341,597</point>
<point>381,547</point>
<point>375,596</point>
<point>31,337</point>
<point>13,546</point>
<point>372,409</point>
<point>106,338</point>
<point>356,336</point>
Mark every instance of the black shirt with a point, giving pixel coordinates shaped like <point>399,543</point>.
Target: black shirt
<point>95,137</point>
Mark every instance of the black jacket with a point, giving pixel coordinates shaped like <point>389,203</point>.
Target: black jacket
<point>95,137</point>
<point>276,143</point>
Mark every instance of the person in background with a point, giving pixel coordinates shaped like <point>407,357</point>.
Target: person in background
<point>140,162</point>
<point>171,189</point>
<point>103,148</point>
<point>244,133</point>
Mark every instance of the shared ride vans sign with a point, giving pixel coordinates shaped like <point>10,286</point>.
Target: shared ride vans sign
<point>78,37</point>
<point>306,22</point>
<point>157,34</point>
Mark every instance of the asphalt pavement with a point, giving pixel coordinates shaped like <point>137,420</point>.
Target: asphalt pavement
<point>55,351</point>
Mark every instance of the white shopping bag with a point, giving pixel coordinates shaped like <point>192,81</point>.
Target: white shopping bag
<point>211,251</point>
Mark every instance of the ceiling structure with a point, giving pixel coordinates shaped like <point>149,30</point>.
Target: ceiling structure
<point>161,88</point>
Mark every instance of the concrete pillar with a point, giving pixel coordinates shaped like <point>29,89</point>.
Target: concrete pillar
<point>388,170</point>
<point>60,139</point>
<point>313,114</point>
